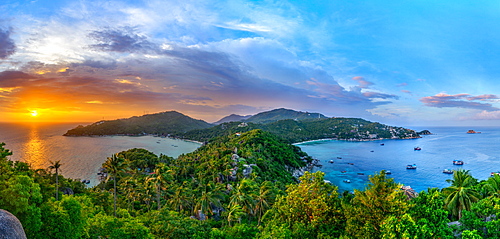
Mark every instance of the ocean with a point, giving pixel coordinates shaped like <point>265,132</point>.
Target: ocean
<point>356,161</point>
<point>81,157</point>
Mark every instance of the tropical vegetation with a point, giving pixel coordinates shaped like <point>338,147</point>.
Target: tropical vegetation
<point>250,185</point>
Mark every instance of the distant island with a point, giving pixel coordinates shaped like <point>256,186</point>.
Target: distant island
<point>473,132</point>
<point>293,126</point>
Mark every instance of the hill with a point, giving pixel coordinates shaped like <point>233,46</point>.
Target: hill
<point>170,122</point>
<point>310,129</point>
<point>282,114</point>
<point>232,118</point>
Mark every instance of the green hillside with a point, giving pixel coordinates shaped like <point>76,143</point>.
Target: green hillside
<point>164,123</point>
<point>310,129</point>
<point>282,114</point>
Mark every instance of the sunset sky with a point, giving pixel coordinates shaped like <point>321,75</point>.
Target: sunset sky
<point>404,63</point>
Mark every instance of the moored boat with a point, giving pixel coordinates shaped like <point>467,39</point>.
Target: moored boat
<point>417,148</point>
<point>346,181</point>
<point>494,173</point>
<point>448,171</point>
<point>388,172</point>
<point>458,162</point>
<point>411,166</point>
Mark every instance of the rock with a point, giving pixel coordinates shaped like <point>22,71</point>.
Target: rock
<point>10,226</point>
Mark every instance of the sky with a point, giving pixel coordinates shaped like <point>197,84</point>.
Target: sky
<point>403,63</point>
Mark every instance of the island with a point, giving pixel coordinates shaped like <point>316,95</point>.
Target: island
<point>473,132</point>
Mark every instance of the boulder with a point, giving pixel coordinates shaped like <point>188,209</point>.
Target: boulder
<point>10,226</point>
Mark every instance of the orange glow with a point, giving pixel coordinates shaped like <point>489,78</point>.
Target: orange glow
<point>34,113</point>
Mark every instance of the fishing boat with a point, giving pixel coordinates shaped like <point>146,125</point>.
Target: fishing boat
<point>448,171</point>
<point>458,162</point>
<point>411,166</point>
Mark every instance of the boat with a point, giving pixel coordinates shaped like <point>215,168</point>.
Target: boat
<point>343,171</point>
<point>346,181</point>
<point>448,171</point>
<point>339,157</point>
<point>388,172</point>
<point>331,161</point>
<point>473,132</point>
<point>458,162</point>
<point>382,144</point>
<point>494,173</point>
<point>417,148</point>
<point>350,163</point>
<point>411,166</point>
<point>361,174</point>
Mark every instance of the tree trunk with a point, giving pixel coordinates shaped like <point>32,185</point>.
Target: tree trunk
<point>114,192</point>
<point>158,192</point>
<point>57,185</point>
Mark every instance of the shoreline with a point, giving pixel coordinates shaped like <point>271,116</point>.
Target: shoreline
<point>352,140</point>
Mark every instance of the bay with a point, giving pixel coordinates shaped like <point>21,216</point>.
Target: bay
<point>81,157</point>
<point>480,153</point>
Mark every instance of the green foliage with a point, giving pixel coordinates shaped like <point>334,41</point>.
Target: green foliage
<point>427,210</point>
<point>371,207</point>
<point>461,194</point>
<point>310,209</point>
<point>66,218</point>
<point>21,196</point>
<point>294,131</point>
<point>483,217</point>
<point>105,226</point>
<point>240,231</point>
<point>170,224</point>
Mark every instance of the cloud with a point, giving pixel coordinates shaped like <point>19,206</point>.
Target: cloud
<point>402,84</point>
<point>363,84</point>
<point>487,115</point>
<point>486,97</point>
<point>407,92</point>
<point>442,100</point>
<point>120,40</point>
<point>372,95</point>
<point>7,45</point>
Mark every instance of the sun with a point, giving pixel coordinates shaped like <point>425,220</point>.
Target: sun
<point>34,113</point>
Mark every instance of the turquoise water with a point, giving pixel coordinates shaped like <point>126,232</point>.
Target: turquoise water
<point>480,152</point>
<point>81,157</point>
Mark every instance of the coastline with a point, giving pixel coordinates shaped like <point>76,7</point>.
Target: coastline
<point>351,140</point>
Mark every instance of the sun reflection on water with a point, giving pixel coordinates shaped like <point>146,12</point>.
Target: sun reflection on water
<point>34,149</point>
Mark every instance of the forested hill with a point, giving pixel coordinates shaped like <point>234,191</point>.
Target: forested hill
<point>310,129</point>
<point>170,122</point>
<point>282,114</point>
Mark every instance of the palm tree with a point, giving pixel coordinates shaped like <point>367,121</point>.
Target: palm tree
<point>235,213</point>
<point>460,195</point>
<point>56,165</point>
<point>180,199</point>
<point>114,165</point>
<point>209,197</point>
<point>159,178</point>
<point>264,199</point>
<point>244,195</point>
<point>491,187</point>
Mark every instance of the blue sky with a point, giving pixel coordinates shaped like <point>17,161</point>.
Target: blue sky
<point>405,63</point>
